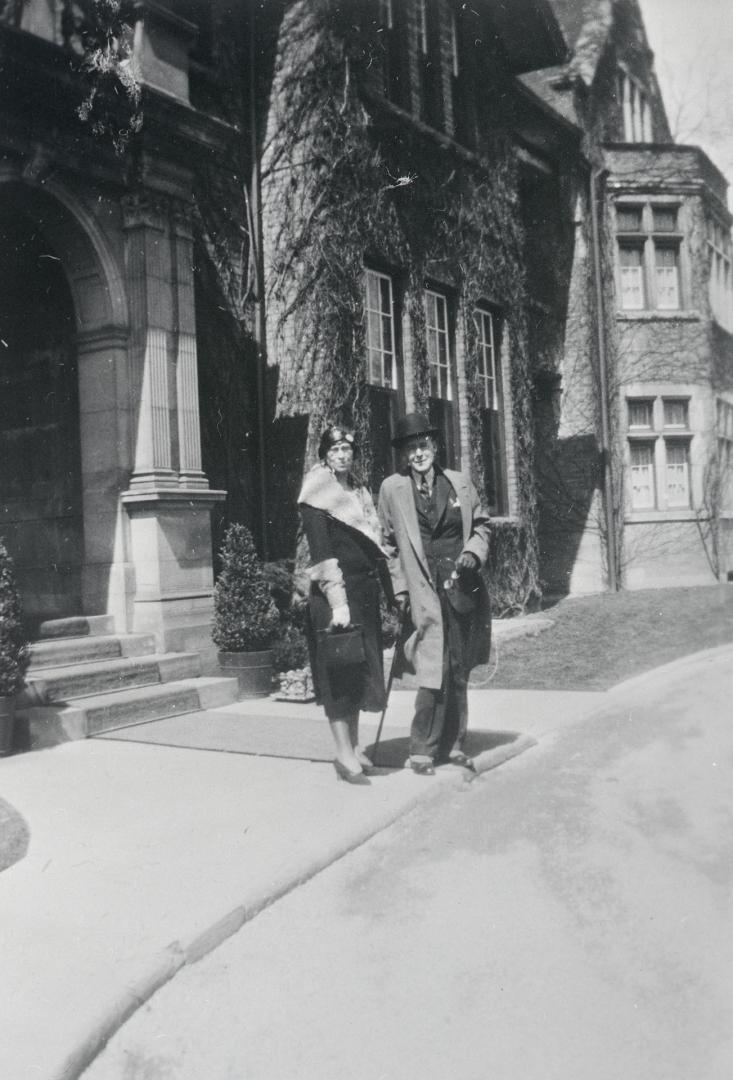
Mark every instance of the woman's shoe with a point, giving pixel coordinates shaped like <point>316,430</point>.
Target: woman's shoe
<point>366,763</point>
<point>346,774</point>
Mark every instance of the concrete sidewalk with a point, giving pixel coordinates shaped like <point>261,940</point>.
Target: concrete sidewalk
<point>143,858</point>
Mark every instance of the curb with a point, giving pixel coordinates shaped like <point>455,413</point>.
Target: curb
<point>178,954</point>
<point>629,685</point>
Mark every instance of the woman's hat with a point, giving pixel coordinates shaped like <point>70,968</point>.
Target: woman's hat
<point>415,423</point>
<point>333,434</point>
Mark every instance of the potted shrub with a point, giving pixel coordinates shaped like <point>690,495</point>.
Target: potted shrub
<point>14,655</point>
<point>246,620</point>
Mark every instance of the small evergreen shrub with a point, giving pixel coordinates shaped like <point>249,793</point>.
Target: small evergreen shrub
<point>246,618</point>
<point>14,655</point>
<point>290,651</point>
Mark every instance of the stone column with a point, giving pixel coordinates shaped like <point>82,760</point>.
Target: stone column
<point>168,501</point>
<point>107,573</point>
<point>187,392</point>
<point>150,281</point>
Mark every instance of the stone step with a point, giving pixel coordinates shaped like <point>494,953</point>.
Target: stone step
<point>107,676</point>
<point>55,652</point>
<point>80,718</point>
<point>77,626</point>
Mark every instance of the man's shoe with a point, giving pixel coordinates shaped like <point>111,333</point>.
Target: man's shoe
<point>422,768</point>
<point>463,760</point>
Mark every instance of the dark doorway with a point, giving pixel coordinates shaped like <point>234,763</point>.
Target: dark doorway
<point>40,468</point>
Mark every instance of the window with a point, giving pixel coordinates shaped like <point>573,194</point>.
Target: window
<point>675,412</point>
<point>422,26</point>
<point>659,450</point>
<point>720,288</point>
<point>430,62</point>
<point>441,408</point>
<point>436,329</point>
<point>463,46</point>
<point>492,429</point>
<point>628,218</point>
<point>640,415</point>
<point>649,257</point>
<point>637,117</point>
<point>487,359</point>
<point>382,369</point>
<point>642,476</point>
<point>725,452</point>
<point>667,277</point>
<point>664,218</point>
<point>632,277</point>
<point>454,45</point>
<point>677,472</point>
<point>380,330</point>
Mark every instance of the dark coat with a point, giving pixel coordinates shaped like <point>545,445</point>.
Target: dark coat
<point>345,690</point>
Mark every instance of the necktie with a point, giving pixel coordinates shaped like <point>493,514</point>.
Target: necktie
<point>424,487</point>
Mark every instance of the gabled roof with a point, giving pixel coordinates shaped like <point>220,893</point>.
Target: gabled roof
<point>586,25</point>
<point>529,32</point>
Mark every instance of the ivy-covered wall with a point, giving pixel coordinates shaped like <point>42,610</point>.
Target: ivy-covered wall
<point>348,182</point>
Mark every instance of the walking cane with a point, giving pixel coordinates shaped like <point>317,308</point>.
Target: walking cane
<point>398,643</point>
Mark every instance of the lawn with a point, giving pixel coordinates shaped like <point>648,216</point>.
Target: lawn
<point>597,641</point>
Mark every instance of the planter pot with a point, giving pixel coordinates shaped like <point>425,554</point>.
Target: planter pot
<point>296,685</point>
<point>7,725</point>
<point>252,669</point>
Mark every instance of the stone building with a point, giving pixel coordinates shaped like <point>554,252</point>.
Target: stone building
<point>656,395</point>
<point>405,164</point>
<point>106,506</point>
<point>475,209</point>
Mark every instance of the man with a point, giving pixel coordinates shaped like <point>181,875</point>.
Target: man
<point>436,535</point>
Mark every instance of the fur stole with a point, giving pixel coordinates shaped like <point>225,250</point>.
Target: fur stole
<point>353,508</point>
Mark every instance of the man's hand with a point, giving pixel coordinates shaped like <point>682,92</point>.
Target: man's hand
<point>341,616</point>
<point>467,562</point>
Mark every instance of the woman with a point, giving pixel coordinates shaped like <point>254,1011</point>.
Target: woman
<point>344,538</point>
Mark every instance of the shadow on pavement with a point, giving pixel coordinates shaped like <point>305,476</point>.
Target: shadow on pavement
<point>393,753</point>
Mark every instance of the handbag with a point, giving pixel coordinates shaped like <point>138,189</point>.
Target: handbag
<point>340,646</point>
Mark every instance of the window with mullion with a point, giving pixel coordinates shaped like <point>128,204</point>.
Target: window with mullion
<point>666,277</point>
<point>677,472</point>
<point>631,258</point>
<point>430,61</point>
<point>487,359</point>
<point>422,26</point>
<point>493,453</point>
<point>637,117</point>
<point>380,330</point>
<point>438,343</point>
<point>643,494</point>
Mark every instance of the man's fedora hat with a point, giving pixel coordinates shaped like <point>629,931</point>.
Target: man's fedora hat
<point>415,423</point>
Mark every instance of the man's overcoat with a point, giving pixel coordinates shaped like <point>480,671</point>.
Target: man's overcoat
<point>410,573</point>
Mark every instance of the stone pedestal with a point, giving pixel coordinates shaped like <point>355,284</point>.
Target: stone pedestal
<point>170,539</point>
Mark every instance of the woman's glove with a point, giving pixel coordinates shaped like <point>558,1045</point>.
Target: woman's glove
<point>341,616</point>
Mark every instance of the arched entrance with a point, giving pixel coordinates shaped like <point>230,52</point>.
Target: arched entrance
<point>40,467</point>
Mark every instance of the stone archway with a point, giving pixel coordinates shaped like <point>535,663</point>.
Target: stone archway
<point>40,467</point>
<point>63,305</point>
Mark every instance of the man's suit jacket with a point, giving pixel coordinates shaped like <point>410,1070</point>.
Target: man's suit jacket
<point>410,573</point>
